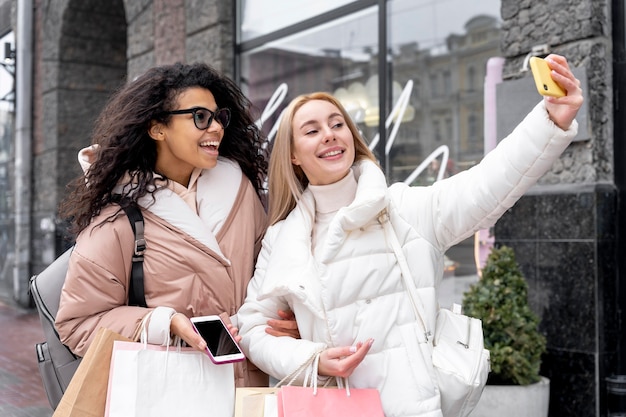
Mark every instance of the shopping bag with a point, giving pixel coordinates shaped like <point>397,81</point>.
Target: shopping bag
<point>271,405</point>
<point>86,393</point>
<point>296,401</point>
<point>255,402</point>
<point>163,381</point>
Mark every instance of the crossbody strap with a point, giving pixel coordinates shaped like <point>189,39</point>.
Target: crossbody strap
<point>409,285</point>
<point>136,294</point>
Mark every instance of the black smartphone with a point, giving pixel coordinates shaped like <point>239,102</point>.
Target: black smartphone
<point>221,346</point>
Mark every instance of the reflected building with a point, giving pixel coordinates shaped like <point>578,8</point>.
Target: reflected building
<point>448,98</point>
<point>445,105</point>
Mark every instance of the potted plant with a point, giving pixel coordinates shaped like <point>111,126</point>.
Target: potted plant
<point>510,327</point>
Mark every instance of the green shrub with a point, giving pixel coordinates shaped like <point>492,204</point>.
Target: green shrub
<point>500,300</point>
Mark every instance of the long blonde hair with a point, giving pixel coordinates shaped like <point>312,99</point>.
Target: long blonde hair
<point>286,181</point>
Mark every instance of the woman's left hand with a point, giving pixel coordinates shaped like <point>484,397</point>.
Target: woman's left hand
<point>181,326</point>
<point>563,110</point>
<point>286,326</point>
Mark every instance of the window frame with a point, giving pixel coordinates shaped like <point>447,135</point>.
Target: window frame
<point>384,63</point>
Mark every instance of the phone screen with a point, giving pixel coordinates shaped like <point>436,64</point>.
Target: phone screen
<point>217,338</point>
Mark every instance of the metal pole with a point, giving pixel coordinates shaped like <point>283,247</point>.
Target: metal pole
<point>23,150</point>
<point>382,85</point>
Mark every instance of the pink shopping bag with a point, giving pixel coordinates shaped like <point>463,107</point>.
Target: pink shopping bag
<point>329,402</point>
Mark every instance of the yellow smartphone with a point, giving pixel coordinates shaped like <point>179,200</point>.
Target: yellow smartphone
<point>546,86</point>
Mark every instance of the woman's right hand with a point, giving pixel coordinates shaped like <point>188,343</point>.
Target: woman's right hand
<point>563,110</point>
<point>286,326</point>
<point>342,361</point>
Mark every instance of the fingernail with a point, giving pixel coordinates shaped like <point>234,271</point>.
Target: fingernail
<point>352,349</point>
<point>371,342</point>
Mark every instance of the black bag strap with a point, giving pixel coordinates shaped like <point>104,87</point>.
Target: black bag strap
<point>136,295</point>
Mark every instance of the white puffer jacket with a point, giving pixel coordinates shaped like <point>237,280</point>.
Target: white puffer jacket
<point>355,292</point>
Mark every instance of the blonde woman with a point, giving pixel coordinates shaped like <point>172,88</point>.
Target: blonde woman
<point>326,256</point>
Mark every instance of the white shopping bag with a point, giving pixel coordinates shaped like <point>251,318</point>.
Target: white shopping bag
<point>157,381</point>
<point>271,406</point>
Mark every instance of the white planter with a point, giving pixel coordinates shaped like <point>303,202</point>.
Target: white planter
<point>514,400</point>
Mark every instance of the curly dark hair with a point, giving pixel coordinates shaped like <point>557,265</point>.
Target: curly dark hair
<point>121,131</point>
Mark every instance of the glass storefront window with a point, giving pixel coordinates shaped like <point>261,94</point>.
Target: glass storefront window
<point>338,57</point>
<point>259,17</point>
<point>7,71</point>
<point>435,66</point>
<point>7,103</point>
<point>443,46</point>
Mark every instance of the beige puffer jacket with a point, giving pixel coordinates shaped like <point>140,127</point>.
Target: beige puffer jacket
<point>186,267</point>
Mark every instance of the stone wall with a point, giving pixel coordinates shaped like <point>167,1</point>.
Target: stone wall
<point>565,234</point>
<point>84,50</point>
<point>79,58</point>
<point>579,31</point>
<point>5,17</point>
<point>169,31</point>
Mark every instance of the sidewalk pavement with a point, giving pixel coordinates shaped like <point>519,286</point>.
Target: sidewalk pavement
<point>21,389</point>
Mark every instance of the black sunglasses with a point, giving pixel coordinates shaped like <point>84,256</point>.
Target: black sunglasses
<point>203,118</point>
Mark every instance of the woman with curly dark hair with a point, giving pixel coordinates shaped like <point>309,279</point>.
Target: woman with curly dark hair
<point>180,143</point>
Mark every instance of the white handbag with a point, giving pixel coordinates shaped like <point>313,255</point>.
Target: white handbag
<point>460,361</point>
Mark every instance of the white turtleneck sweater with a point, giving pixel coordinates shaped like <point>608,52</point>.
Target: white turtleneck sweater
<point>328,200</point>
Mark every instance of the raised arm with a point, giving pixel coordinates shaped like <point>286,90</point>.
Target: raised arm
<point>454,208</point>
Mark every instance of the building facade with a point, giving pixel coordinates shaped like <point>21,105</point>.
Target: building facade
<point>430,90</point>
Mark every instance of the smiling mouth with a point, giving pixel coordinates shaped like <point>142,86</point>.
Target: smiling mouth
<point>214,144</point>
<point>331,153</point>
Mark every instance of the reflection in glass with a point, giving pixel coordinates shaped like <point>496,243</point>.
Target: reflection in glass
<point>259,17</point>
<point>437,53</point>
<point>7,154</point>
<point>338,57</point>
<point>443,47</point>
